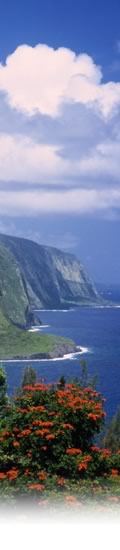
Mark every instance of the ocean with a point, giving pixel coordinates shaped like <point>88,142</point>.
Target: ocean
<point>98,331</point>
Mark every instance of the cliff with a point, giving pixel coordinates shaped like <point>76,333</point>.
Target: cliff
<point>44,278</point>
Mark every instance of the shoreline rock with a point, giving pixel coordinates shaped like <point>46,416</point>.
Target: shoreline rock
<point>55,354</point>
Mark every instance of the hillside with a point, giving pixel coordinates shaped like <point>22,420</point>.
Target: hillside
<point>13,296</point>
<point>45,277</point>
<point>16,343</point>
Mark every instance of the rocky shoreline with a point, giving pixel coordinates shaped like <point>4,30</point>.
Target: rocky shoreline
<point>58,352</point>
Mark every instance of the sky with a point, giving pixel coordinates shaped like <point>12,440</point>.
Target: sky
<point>60,128</point>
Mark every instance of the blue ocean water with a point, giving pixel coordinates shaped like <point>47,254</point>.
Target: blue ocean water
<point>95,329</point>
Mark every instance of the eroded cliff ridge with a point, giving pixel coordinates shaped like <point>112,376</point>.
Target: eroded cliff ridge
<point>45,277</point>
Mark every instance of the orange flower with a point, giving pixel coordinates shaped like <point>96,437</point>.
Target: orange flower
<point>92,416</point>
<point>16,444</point>
<point>42,432</point>
<point>82,466</point>
<point>42,475</point>
<point>61,482</point>
<point>2,475</point>
<point>39,408</point>
<point>72,451</point>
<point>69,426</point>
<point>36,422</point>
<point>25,432</point>
<point>114,472</point>
<point>46,424</point>
<point>105,453</point>
<point>50,437</point>
<point>84,463</point>
<point>12,474</point>
<point>36,486</point>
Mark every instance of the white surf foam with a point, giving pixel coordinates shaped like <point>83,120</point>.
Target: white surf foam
<point>64,358</point>
<point>54,310</point>
<point>37,328</point>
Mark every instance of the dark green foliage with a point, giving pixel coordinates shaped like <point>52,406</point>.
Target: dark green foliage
<point>29,376</point>
<point>84,378</point>
<point>112,437</point>
<point>83,374</point>
<point>3,391</point>
<point>62,382</point>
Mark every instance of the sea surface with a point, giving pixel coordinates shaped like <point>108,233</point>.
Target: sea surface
<point>98,330</point>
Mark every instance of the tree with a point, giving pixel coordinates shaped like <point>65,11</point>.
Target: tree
<point>62,382</point>
<point>29,376</point>
<point>84,374</point>
<point>84,378</point>
<point>3,390</point>
<point>112,437</point>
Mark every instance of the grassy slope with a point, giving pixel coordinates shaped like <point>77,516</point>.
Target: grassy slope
<point>14,341</point>
<point>13,299</point>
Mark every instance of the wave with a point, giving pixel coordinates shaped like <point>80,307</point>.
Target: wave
<point>110,306</point>
<point>55,310</point>
<point>72,355</point>
<point>37,328</point>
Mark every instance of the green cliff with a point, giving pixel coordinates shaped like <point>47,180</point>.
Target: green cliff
<point>45,277</point>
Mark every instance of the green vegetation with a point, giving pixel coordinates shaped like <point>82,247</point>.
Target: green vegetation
<point>13,298</point>
<point>112,437</point>
<point>48,277</point>
<point>3,392</point>
<point>47,448</point>
<point>29,376</point>
<point>15,342</point>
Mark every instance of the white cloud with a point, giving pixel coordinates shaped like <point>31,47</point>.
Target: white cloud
<point>74,139</point>
<point>77,201</point>
<point>21,159</point>
<point>42,79</point>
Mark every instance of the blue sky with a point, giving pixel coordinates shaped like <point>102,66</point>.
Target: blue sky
<point>60,128</point>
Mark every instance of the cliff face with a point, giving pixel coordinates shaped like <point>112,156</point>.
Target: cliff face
<point>46,277</point>
<point>13,297</point>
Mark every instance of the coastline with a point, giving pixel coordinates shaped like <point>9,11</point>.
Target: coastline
<point>80,351</point>
<point>105,305</point>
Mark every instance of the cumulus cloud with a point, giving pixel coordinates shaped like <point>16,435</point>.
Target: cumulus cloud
<point>59,129</point>
<point>42,79</point>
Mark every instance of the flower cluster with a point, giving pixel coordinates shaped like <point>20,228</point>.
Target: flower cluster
<point>49,435</point>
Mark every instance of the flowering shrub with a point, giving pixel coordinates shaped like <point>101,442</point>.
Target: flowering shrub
<point>47,443</point>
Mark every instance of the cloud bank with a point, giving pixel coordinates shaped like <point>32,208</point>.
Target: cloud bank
<point>59,127</point>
